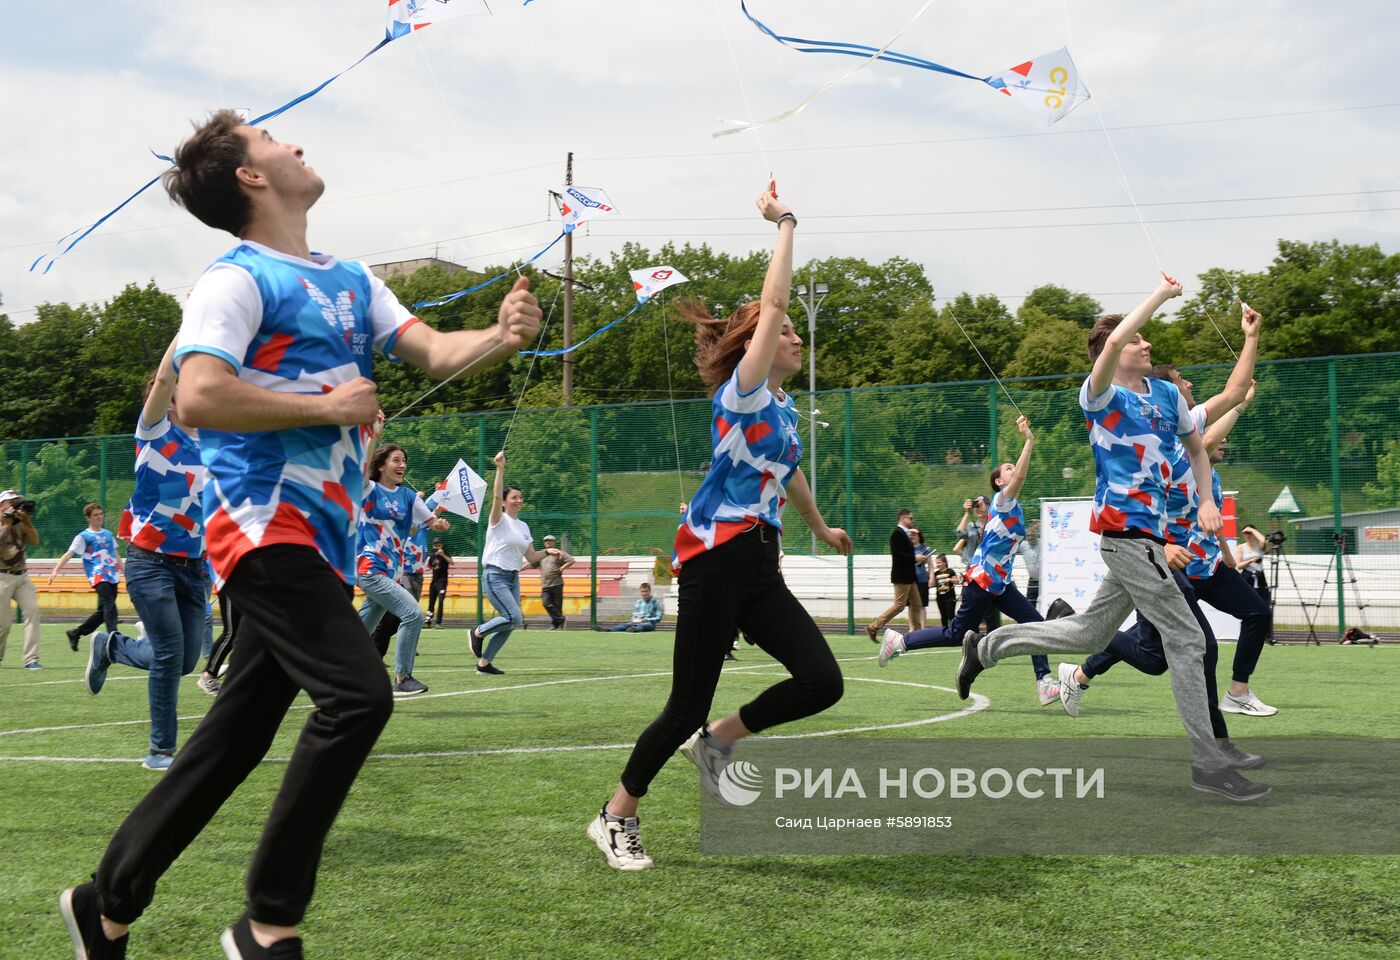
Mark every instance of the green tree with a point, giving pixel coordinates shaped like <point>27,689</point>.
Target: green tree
<point>1050,301</point>
<point>125,348</point>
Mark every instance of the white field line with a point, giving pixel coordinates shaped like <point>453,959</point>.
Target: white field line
<point>979,703</point>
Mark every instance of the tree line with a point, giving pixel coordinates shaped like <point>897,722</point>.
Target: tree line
<point>77,370</point>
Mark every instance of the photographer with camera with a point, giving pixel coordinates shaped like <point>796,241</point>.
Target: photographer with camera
<point>17,534</point>
<point>98,550</point>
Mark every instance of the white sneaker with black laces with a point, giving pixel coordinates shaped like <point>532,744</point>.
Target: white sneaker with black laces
<point>620,840</point>
<point>1071,692</point>
<point>1249,705</point>
<point>1047,688</point>
<point>709,758</point>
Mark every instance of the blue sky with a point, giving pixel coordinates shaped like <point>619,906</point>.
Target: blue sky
<point>448,140</point>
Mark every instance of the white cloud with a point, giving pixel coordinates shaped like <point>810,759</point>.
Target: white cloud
<point>615,80</point>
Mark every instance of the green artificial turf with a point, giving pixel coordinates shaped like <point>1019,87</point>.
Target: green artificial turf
<point>443,852</point>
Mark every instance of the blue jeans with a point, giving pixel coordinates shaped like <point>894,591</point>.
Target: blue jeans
<point>385,595</point>
<point>976,605</point>
<point>171,599</point>
<point>646,626</point>
<point>502,588</point>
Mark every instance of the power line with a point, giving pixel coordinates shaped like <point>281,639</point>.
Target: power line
<point>991,137</point>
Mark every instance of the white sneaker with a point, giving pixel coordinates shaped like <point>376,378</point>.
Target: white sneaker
<point>709,758</point>
<point>892,647</point>
<point>1047,688</point>
<point>1249,705</point>
<point>140,630</point>
<point>1070,691</point>
<point>620,840</point>
<point>208,684</point>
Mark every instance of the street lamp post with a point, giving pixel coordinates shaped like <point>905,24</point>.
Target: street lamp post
<point>811,295</point>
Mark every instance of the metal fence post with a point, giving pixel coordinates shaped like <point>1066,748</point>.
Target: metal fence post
<point>480,533</point>
<point>24,468</point>
<point>102,472</point>
<point>593,515</point>
<point>850,516</point>
<point>1337,540</point>
<point>992,424</point>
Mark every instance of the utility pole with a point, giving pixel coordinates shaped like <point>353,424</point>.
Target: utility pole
<point>569,295</point>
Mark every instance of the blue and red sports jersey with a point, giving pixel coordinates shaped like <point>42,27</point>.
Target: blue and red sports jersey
<point>1001,537</point>
<point>98,551</point>
<point>415,550</point>
<point>290,326</point>
<point>1205,547</point>
<point>386,517</point>
<point>756,449</point>
<point>1182,502</point>
<point>164,514</point>
<point>1133,435</point>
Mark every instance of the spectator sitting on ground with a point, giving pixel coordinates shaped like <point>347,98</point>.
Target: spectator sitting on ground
<point>646,614</point>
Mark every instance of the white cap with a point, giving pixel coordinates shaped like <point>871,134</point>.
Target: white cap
<point>9,495</point>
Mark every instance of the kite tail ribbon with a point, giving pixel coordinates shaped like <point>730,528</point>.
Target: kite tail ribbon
<point>63,249</point>
<point>596,333</point>
<point>854,49</point>
<point>440,301</point>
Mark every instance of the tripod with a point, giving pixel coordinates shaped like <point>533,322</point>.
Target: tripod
<point>1346,573</point>
<point>1277,558</point>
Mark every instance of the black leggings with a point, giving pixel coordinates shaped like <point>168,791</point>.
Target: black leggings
<point>736,584</point>
<point>106,612</point>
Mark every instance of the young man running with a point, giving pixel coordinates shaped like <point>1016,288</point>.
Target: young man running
<point>276,354</point>
<point>166,578</point>
<point>988,586</point>
<point>97,548</point>
<point>1133,424</point>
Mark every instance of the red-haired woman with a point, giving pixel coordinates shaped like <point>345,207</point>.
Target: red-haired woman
<point>727,553</point>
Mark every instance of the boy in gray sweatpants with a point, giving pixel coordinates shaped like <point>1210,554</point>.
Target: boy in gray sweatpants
<point>1134,424</point>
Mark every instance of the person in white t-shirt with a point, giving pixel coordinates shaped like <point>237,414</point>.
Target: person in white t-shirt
<point>509,547</point>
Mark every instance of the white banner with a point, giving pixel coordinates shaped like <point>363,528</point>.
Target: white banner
<point>1071,569</point>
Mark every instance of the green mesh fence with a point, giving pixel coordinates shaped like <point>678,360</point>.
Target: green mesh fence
<point>608,479</point>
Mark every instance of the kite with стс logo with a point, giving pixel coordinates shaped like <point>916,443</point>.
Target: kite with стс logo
<point>1048,85</point>
<point>404,17</point>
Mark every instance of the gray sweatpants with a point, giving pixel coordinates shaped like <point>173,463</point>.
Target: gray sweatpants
<point>1138,578</point>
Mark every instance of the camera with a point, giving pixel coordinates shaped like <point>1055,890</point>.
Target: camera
<point>1275,539</point>
<point>24,508</point>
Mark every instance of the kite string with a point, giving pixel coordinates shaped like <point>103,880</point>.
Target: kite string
<point>743,88</point>
<point>1127,186</point>
<point>544,329</point>
<point>671,394</point>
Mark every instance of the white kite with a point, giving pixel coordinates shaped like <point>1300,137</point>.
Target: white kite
<point>649,281</point>
<point>463,492</point>
<point>584,203</point>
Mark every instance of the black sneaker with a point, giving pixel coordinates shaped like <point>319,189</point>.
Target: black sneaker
<point>729,656</point>
<point>78,905</point>
<point>1228,784</point>
<point>475,641</point>
<point>73,639</point>
<point>970,665</point>
<point>489,668</point>
<point>1238,758</point>
<point>409,687</point>
<point>1059,609</point>
<point>238,944</point>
